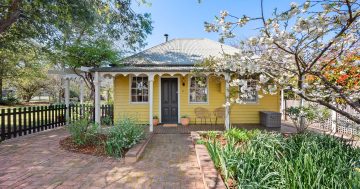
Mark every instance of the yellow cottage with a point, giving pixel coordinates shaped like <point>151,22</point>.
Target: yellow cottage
<point>159,82</point>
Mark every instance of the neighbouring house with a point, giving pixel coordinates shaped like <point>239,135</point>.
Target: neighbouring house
<point>159,81</point>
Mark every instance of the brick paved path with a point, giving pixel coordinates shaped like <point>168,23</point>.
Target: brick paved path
<point>36,161</point>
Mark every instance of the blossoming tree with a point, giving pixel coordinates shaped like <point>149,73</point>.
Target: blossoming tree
<point>311,49</point>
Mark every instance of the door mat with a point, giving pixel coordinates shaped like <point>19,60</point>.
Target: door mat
<point>170,125</point>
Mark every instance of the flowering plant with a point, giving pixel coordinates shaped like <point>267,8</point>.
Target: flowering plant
<point>311,49</point>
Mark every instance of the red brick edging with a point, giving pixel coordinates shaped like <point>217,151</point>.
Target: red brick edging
<point>211,178</point>
<point>136,151</point>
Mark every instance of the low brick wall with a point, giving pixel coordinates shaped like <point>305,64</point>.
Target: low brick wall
<point>136,151</point>
<point>211,178</point>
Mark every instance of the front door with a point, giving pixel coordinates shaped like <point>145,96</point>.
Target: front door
<point>169,100</point>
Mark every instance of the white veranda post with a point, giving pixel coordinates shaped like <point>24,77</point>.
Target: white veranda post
<point>81,91</point>
<point>282,105</point>
<point>97,97</point>
<point>333,122</point>
<point>67,98</point>
<point>151,91</point>
<point>227,106</point>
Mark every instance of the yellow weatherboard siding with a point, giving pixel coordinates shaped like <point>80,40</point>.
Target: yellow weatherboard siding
<point>240,113</point>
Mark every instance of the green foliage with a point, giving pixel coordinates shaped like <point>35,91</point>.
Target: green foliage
<point>269,160</point>
<point>311,114</point>
<point>211,135</point>
<point>91,53</point>
<point>184,116</point>
<point>125,134</point>
<point>240,135</point>
<point>106,120</point>
<point>83,131</point>
<point>9,100</point>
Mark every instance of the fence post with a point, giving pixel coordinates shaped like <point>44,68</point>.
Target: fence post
<point>8,123</point>
<point>14,126</point>
<point>3,124</point>
<point>333,122</point>
<point>20,129</point>
<point>25,128</point>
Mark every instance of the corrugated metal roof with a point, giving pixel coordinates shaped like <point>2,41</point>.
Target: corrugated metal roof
<point>181,52</point>
<point>147,69</point>
<point>174,55</point>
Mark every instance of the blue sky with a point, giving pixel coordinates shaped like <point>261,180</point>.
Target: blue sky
<point>185,18</point>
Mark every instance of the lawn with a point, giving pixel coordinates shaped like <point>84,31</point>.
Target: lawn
<point>254,159</point>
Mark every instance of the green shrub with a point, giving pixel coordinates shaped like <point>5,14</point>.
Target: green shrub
<point>211,135</point>
<point>106,120</point>
<point>83,131</point>
<point>240,135</point>
<point>9,100</point>
<point>311,114</point>
<point>125,133</point>
<point>268,160</point>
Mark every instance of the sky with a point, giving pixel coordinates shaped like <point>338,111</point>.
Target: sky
<point>185,18</point>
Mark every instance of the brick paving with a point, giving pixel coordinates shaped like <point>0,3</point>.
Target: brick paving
<point>36,161</point>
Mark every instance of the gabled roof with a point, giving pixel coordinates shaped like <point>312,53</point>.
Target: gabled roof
<point>185,51</point>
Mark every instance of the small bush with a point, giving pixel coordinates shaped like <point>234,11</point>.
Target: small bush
<point>240,135</point>
<point>125,134</point>
<point>9,100</point>
<point>106,120</point>
<point>83,131</point>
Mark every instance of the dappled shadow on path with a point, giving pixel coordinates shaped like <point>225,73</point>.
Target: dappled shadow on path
<point>36,161</point>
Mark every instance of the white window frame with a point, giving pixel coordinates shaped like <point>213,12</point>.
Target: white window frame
<point>207,90</point>
<point>130,89</point>
<point>257,94</point>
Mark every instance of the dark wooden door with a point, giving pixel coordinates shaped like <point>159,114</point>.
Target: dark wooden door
<point>169,100</point>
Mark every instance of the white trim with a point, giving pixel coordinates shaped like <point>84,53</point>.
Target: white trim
<point>130,96</point>
<point>207,93</point>
<point>114,74</point>
<point>178,94</point>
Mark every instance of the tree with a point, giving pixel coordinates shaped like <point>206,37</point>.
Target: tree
<point>93,45</point>
<point>299,49</point>
<point>31,72</point>
<point>90,54</point>
<point>37,24</point>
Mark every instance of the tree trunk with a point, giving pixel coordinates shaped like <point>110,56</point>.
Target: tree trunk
<point>12,16</point>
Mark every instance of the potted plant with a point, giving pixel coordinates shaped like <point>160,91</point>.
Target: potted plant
<point>185,120</point>
<point>155,120</point>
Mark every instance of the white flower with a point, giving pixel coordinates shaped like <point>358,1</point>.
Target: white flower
<point>224,13</point>
<point>293,5</point>
<point>253,40</point>
<point>263,78</point>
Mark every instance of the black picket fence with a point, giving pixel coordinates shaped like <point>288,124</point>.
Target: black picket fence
<point>16,122</point>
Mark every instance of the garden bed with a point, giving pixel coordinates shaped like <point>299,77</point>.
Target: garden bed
<point>126,138</point>
<point>211,178</point>
<point>255,159</point>
<point>97,148</point>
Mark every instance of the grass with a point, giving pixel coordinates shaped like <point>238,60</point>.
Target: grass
<point>269,160</point>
